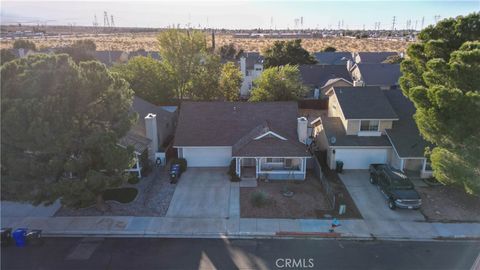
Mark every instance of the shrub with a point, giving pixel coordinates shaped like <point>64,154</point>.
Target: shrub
<point>121,195</point>
<point>133,179</point>
<point>182,162</point>
<point>232,171</point>
<point>259,199</point>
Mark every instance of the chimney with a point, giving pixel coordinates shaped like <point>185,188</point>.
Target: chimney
<point>152,134</point>
<point>349,64</point>
<point>302,127</point>
<point>243,65</point>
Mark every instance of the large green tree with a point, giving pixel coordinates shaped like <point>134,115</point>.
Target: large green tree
<point>278,84</point>
<point>148,78</point>
<point>205,80</point>
<point>24,44</point>
<point>441,77</point>
<point>81,50</point>
<point>230,82</point>
<point>60,125</point>
<point>287,52</point>
<point>6,55</point>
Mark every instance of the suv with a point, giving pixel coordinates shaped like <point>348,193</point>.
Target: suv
<point>395,186</point>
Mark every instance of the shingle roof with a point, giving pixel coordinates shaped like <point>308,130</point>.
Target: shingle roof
<point>404,134</point>
<point>319,75</point>
<point>236,124</point>
<point>252,58</point>
<point>333,127</point>
<point>108,57</point>
<point>380,74</point>
<point>333,58</point>
<point>143,108</point>
<point>374,57</point>
<point>364,103</point>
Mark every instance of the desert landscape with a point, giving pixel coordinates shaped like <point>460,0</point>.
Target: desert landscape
<point>148,42</point>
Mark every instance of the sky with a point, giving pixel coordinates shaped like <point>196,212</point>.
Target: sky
<point>352,14</point>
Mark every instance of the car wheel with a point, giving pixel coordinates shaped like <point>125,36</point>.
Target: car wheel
<point>391,204</point>
<point>372,181</point>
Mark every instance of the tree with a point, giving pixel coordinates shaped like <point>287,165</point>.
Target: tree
<point>60,126</point>
<point>81,50</point>
<point>393,59</point>
<point>441,77</point>
<point>182,52</point>
<point>287,52</point>
<point>329,49</point>
<point>230,81</point>
<point>229,52</point>
<point>6,55</point>
<point>278,84</point>
<point>24,44</point>
<point>148,78</point>
<point>205,80</point>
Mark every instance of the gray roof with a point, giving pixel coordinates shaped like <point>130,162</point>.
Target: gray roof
<point>252,58</point>
<point>333,127</point>
<point>236,124</point>
<point>319,75</point>
<point>143,108</point>
<point>333,58</point>
<point>374,57</point>
<point>153,54</point>
<point>404,134</point>
<point>364,103</point>
<point>139,143</point>
<point>108,57</point>
<point>380,74</point>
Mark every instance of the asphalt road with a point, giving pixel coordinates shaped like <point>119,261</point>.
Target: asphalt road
<point>150,253</point>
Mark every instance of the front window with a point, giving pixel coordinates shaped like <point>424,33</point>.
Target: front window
<point>369,125</point>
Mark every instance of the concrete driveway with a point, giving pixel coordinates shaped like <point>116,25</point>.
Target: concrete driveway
<point>370,201</point>
<point>201,192</point>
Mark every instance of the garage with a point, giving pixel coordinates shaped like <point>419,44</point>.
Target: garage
<point>206,156</point>
<point>361,158</point>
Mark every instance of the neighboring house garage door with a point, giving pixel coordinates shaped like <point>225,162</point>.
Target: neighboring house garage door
<point>207,156</point>
<point>361,158</point>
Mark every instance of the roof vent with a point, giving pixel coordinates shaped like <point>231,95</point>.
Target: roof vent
<point>333,140</point>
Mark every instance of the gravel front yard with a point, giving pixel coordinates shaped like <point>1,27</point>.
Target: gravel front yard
<point>308,201</point>
<point>449,204</point>
<point>154,195</point>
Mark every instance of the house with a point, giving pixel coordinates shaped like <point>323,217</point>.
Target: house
<point>333,58</point>
<point>109,58</point>
<point>365,125</point>
<point>153,54</point>
<point>151,133</point>
<point>371,57</point>
<point>385,76</point>
<point>264,139</point>
<point>320,78</point>
<point>251,66</point>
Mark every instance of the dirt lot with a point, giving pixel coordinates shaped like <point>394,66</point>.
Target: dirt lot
<point>308,201</point>
<point>148,41</point>
<point>449,204</point>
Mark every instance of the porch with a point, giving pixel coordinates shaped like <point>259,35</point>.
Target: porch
<point>272,168</point>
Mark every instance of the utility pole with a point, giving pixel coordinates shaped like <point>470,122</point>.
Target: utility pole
<point>437,18</point>
<point>423,21</point>
<point>112,22</point>
<point>106,23</point>
<point>416,22</point>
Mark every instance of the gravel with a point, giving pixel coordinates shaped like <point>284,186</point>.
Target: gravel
<point>154,195</point>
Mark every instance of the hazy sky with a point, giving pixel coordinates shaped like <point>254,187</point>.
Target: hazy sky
<point>236,14</point>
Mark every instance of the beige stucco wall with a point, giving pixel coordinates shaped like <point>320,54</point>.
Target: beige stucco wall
<point>335,84</point>
<point>353,126</point>
<point>334,109</point>
<point>320,137</point>
<point>385,124</point>
<point>356,75</point>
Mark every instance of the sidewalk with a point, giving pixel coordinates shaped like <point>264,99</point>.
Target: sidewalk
<point>239,227</point>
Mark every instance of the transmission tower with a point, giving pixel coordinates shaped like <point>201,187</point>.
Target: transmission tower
<point>301,22</point>
<point>112,22</point>
<point>416,22</point>
<point>423,21</point>
<point>436,18</point>
<point>409,23</point>
<point>106,23</point>
<point>95,21</point>
<point>393,23</point>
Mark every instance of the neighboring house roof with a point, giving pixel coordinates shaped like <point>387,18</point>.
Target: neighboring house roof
<point>108,57</point>
<point>380,74</point>
<point>319,75</point>
<point>331,82</point>
<point>404,135</point>
<point>153,54</point>
<point>364,103</point>
<point>238,124</point>
<point>374,57</point>
<point>139,143</point>
<point>252,58</point>
<point>143,108</point>
<point>333,127</point>
<point>333,58</point>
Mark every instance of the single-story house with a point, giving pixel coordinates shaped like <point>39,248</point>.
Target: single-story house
<point>320,78</point>
<point>365,125</point>
<point>333,58</point>
<point>371,57</point>
<point>385,76</point>
<point>264,139</point>
<point>150,134</point>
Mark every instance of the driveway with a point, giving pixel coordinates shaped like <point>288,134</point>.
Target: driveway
<point>201,192</point>
<point>370,201</point>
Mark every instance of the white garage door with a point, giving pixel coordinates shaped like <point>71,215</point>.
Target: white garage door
<point>207,156</point>
<point>361,158</point>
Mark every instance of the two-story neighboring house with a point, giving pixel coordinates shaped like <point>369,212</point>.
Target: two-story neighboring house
<point>320,78</point>
<point>383,75</point>
<point>365,125</point>
<point>371,57</point>
<point>251,66</point>
<point>333,58</point>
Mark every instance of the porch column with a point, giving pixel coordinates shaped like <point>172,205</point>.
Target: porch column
<point>401,164</point>
<point>304,167</point>
<point>257,167</point>
<point>139,170</point>
<point>424,166</point>
<point>238,166</point>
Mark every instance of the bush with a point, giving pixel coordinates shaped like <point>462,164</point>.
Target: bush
<point>133,179</point>
<point>259,199</point>
<point>182,162</point>
<point>232,171</point>
<point>121,195</point>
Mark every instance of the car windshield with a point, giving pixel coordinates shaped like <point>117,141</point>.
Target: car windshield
<point>400,181</point>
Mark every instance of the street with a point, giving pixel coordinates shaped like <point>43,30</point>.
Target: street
<point>154,253</point>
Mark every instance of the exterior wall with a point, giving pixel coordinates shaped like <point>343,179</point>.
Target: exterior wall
<point>353,126</point>
<point>334,110</point>
<point>359,158</point>
<point>166,130</point>
<point>264,164</point>
<point>321,139</point>
<point>395,161</point>
<point>413,164</point>
<point>335,84</point>
<point>356,75</point>
<point>284,176</point>
<point>207,156</point>
<point>385,124</point>
<point>246,86</point>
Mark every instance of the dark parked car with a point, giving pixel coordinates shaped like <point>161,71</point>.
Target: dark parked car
<point>395,186</point>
